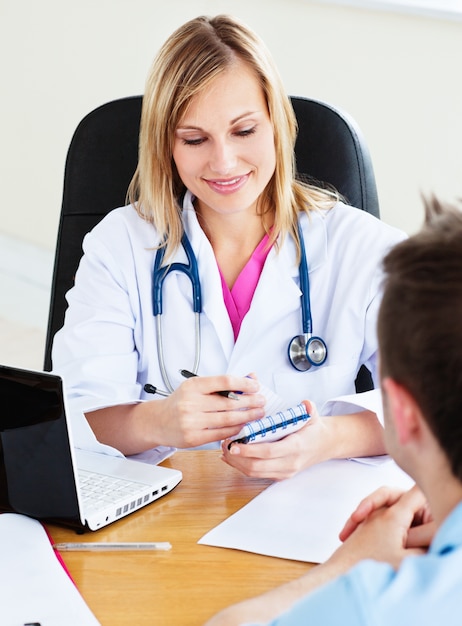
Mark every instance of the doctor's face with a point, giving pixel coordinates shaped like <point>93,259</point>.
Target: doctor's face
<point>224,145</point>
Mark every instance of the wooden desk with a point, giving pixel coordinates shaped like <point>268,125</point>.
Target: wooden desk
<point>191,582</point>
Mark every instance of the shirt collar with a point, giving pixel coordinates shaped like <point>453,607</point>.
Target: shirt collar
<point>449,535</point>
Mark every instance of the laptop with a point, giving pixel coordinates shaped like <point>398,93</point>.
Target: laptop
<point>43,476</point>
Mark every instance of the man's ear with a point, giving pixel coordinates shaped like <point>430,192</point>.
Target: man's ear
<point>403,411</point>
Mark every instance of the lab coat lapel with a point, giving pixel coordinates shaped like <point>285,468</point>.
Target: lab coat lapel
<point>213,306</point>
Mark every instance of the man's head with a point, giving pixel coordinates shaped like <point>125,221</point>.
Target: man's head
<point>420,324</point>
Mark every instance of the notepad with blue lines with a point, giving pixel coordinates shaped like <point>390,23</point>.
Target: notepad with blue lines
<point>273,427</point>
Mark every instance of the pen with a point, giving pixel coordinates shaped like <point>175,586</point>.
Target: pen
<point>227,394</point>
<point>151,389</point>
<point>112,547</point>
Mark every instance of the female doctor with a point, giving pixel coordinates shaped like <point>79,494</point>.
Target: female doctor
<point>216,164</point>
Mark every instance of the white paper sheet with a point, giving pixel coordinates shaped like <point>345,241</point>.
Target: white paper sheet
<point>300,518</point>
<point>34,587</point>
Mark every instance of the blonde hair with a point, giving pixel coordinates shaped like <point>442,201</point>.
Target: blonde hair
<point>187,63</point>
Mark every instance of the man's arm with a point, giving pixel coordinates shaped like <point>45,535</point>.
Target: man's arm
<point>268,606</point>
<point>382,536</point>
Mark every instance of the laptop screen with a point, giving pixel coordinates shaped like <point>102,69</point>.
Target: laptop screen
<point>36,471</point>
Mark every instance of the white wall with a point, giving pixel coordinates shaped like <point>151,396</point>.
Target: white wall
<point>397,74</point>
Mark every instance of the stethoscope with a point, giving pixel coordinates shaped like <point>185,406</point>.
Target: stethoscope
<point>304,351</point>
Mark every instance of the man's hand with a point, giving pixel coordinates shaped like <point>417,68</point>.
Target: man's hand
<point>383,528</point>
<point>420,534</point>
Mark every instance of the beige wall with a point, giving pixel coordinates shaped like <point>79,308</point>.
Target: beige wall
<point>397,74</point>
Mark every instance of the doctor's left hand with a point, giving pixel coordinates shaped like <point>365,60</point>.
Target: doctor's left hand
<point>323,438</point>
<point>284,458</point>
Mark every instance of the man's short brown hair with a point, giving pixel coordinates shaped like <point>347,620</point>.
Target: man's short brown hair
<point>420,323</point>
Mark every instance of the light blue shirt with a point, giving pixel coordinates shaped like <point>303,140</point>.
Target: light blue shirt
<point>425,590</point>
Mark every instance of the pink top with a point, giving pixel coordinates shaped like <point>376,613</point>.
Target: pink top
<point>238,299</point>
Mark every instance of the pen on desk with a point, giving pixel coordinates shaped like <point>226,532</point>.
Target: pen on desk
<point>228,394</point>
<point>107,546</point>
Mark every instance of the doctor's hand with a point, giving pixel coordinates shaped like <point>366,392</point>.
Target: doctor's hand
<point>284,458</point>
<point>195,414</point>
<point>323,438</point>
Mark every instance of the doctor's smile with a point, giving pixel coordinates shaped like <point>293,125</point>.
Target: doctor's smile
<point>227,186</point>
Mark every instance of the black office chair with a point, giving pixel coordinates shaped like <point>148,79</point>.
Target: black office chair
<point>103,155</point>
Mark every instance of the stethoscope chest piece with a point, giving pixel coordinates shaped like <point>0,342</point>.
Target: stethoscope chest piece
<point>305,351</point>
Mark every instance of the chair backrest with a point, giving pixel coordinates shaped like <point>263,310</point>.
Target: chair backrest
<point>103,155</point>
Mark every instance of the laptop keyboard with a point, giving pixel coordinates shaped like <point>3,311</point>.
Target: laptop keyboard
<point>99,491</point>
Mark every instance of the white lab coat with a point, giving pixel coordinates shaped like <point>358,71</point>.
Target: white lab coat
<point>107,349</point>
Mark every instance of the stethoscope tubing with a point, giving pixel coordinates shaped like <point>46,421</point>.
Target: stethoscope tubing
<point>307,323</point>
<point>160,274</point>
